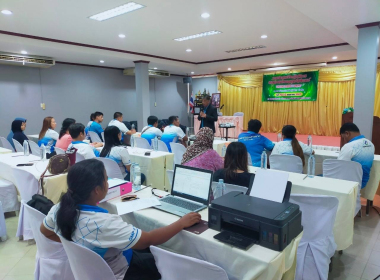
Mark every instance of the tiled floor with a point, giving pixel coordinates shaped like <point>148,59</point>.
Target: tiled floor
<point>360,261</point>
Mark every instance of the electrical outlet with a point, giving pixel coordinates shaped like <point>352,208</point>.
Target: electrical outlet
<point>43,106</point>
<point>155,104</point>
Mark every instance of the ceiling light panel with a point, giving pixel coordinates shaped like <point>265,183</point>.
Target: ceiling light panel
<point>200,35</point>
<point>246,49</point>
<point>123,9</point>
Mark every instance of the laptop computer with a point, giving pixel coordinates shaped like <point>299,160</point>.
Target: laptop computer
<point>190,191</point>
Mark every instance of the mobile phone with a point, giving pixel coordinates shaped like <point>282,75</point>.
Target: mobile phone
<point>129,197</point>
<point>147,153</point>
<point>25,164</point>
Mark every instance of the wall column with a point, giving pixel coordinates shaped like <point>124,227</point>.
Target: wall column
<point>142,92</point>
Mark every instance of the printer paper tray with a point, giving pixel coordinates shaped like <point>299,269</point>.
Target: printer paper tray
<point>235,239</point>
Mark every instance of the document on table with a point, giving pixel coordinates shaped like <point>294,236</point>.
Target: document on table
<point>135,205</point>
<point>270,185</point>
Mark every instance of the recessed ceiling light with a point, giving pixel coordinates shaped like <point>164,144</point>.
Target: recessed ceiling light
<point>205,15</point>
<point>264,36</point>
<point>189,50</point>
<point>208,33</point>
<point>123,9</point>
<point>334,57</point>
<point>6,12</point>
<point>121,36</point>
<point>155,68</point>
<point>24,52</point>
<point>277,63</point>
<point>102,61</point>
<point>192,72</point>
<point>229,69</point>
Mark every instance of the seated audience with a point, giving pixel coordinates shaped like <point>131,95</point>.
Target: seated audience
<point>88,151</point>
<point>255,142</point>
<point>92,118</point>
<point>18,128</point>
<point>95,126</point>
<point>201,154</point>
<point>118,122</point>
<point>117,241</point>
<point>290,145</point>
<point>48,136</point>
<point>173,131</point>
<point>235,169</point>
<point>115,151</point>
<point>151,131</point>
<point>357,148</point>
<point>10,135</point>
<point>64,139</point>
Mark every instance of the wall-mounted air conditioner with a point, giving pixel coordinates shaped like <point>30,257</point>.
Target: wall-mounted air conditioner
<point>26,60</point>
<point>152,73</point>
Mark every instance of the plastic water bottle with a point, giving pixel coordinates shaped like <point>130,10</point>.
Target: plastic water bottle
<point>133,126</point>
<point>133,141</point>
<point>309,141</point>
<point>220,189</point>
<point>131,172</point>
<point>311,167</point>
<point>43,152</point>
<point>155,143</point>
<point>279,137</point>
<point>26,148</point>
<point>224,149</point>
<point>264,160</point>
<point>137,177</point>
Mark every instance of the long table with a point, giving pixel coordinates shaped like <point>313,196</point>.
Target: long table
<point>5,151</point>
<point>344,191</point>
<point>256,263</point>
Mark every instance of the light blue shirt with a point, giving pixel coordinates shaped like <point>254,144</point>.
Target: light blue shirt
<point>95,127</point>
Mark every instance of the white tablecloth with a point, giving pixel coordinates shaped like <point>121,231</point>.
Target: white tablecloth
<point>232,133</point>
<point>256,263</point>
<point>5,151</point>
<point>345,191</point>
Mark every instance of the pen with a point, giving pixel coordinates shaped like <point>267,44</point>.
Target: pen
<point>304,177</point>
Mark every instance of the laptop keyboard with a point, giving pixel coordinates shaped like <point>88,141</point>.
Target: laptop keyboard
<point>180,203</point>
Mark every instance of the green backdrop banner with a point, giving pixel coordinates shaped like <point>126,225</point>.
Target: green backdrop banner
<point>290,87</point>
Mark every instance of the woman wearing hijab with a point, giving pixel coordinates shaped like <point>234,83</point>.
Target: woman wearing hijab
<point>18,128</point>
<point>10,135</point>
<point>201,154</point>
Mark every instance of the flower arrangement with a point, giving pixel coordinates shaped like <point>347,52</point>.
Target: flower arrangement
<point>348,110</point>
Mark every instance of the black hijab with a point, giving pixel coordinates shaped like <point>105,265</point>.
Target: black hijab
<point>18,134</point>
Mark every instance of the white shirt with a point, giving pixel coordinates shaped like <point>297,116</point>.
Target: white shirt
<point>172,129</point>
<point>51,136</point>
<point>285,148</point>
<point>123,128</point>
<point>85,149</point>
<point>151,130</point>
<point>105,234</point>
<point>50,133</point>
<point>121,156</point>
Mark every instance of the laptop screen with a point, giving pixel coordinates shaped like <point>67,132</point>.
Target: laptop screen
<point>192,183</point>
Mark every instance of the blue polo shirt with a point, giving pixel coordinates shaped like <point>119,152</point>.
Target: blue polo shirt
<point>95,127</point>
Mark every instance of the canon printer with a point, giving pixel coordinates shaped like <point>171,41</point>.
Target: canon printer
<point>245,220</point>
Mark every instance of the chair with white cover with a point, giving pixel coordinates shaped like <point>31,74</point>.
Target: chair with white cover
<point>317,245</point>
<point>94,137</point>
<point>86,264</point>
<point>171,265</point>
<point>35,148</point>
<point>112,168</point>
<point>229,188</point>
<point>102,134</point>
<point>27,186</point>
<point>287,163</point>
<point>239,114</point>
<point>249,159</point>
<point>79,157</point>
<point>142,143</point>
<point>8,196</point>
<point>178,150</point>
<point>51,259</point>
<point>345,170</point>
<point>18,147</point>
<point>3,227</point>
<point>59,151</point>
<point>162,146</point>
<point>170,174</point>
<point>5,143</point>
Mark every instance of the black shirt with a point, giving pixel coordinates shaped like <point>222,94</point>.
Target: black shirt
<point>241,179</point>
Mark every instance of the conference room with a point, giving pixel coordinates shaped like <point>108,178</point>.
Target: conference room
<point>193,140</point>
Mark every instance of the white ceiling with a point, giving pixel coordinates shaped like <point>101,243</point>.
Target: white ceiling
<point>289,24</point>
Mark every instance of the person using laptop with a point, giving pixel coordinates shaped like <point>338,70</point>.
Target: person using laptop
<point>79,219</point>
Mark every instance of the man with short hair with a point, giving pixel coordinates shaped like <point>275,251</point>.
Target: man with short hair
<point>172,131</point>
<point>118,121</point>
<point>95,126</point>
<point>151,131</point>
<point>357,148</point>
<point>208,115</point>
<point>88,151</point>
<point>255,142</point>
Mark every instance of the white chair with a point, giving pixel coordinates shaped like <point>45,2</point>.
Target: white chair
<point>178,150</point>
<point>27,186</point>
<point>287,163</point>
<point>229,188</point>
<point>162,146</point>
<point>5,143</point>
<point>3,227</point>
<point>249,159</point>
<point>174,266</point>
<point>112,168</point>
<point>79,157</point>
<point>8,196</point>
<point>51,258</point>
<point>102,136</point>
<point>345,170</point>
<point>18,147</point>
<point>142,143</point>
<point>94,137</point>
<point>239,114</point>
<point>59,151</point>
<point>86,264</point>
<point>170,174</point>
<point>317,245</point>
<point>35,148</point>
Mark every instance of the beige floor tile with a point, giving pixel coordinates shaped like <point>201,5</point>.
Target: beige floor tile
<point>19,277</point>
<point>370,272</point>
<point>7,264</point>
<point>32,252</point>
<point>14,248</point>
<point>348,264</point>
<point>374,258</point>
<point>376,246</point>
<point>25,266</point>
<point>2,276</point>
<point>342,276</point>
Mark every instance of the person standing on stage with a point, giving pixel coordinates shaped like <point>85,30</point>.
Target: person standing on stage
<point>208,115</point>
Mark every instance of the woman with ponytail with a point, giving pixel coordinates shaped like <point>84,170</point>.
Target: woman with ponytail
<point>78,218</point>
<point>290,145</point>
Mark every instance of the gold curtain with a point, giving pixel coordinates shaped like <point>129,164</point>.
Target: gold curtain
<point>336,90</point>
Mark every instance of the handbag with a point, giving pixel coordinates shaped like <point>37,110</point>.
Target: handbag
<point>58,164</point>
<point>41,203</point>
